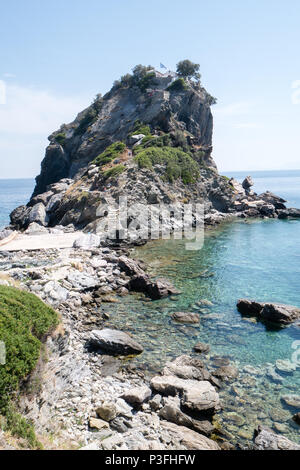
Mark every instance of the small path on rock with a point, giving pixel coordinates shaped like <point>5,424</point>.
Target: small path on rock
<point>41,241</point>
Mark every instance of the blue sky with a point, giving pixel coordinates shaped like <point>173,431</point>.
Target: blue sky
<point>56,55</point>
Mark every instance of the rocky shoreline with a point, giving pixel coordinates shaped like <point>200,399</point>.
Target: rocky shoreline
<point>85,395</point>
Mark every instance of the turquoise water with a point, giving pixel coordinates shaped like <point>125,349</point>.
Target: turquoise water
<point>13,193</point>
<point>258,259</point>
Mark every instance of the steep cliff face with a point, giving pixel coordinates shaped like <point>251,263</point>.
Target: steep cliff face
<point>111,118</point>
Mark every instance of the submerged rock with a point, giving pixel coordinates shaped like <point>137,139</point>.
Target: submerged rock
<point>186,317</point>
<point>115,342</point>
<point>202,348</point>
<point>187,367</point>
<point>291,400</point>
<point>296,418</point>
<point>276,313</point>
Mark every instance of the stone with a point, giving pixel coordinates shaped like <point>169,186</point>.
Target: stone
<point>54,202</point>
<point>171,412</point>
<point>99,424</point>
<point>137,395</point>
<point>170,385</point>
<point>186,317</point>
<point>247,183</point>
<point>188,438</point>
<point>291,400</point>
<point>265,439</point>
<point>202,348</point>
<point>276,313</point>
<point>187,367</point>
<point>201,397</point>
<point>285,366</point>
<point>115,342</point>
<point>155,403</point>
<point>82,281</point>
<point>35,228</point>
<point>296,418</point>
<point>38,214</point>
<point>55,292</point>
<point>226,372</point>
<point>107,411</point>
<point>272,374</point>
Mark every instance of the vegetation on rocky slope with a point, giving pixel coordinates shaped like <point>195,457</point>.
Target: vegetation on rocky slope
<point>178,164</point>
<point>24,321</point>
<point>110,153</point>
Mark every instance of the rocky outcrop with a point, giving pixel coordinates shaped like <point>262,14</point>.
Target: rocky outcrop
<point>276,313</point>
<point>114,342</point>
<point>72,190</point>
<point>265,439</point>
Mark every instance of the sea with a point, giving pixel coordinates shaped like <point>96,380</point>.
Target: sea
<point>256,259</point>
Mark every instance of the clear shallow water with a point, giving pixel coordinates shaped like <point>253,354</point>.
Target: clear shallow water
<point>13,193</point>
<point>257,259</point>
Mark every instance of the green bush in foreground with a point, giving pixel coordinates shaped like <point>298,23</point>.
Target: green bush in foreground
<point>178,164</point>
<point>24,322</point>
<point>110,153</point>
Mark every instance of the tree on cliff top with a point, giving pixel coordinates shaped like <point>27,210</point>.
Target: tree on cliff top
<point>187,69</point>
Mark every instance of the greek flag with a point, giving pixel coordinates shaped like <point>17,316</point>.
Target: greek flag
<point>162,66</point>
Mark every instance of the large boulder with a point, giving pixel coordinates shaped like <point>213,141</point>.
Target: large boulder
<point>201,397</point>
<point>38,214</point>
<point>115,342</point>
<point>190,439</point>
<point>137,395</point>
<point>276,313</point>
<point>265,439</point>
<point>196,395</point>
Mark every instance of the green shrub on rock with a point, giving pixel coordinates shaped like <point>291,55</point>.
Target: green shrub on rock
<point>60,138</point>
<point>114,171</point>
<point>178,164</point>
<point>110,153</point>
